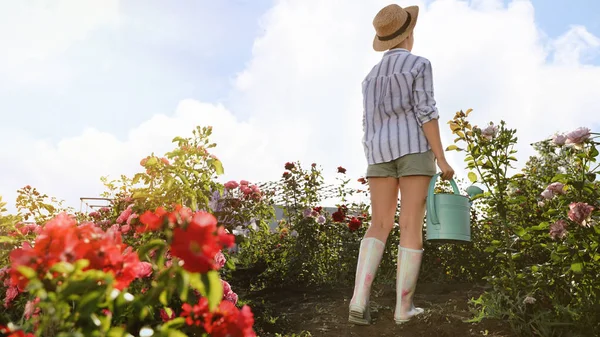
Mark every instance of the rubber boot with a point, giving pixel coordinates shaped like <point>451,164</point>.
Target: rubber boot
<point>369,257</point>
<point>407,273</point>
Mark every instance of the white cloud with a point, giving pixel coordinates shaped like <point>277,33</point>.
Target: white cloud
<point>33,33</point>
<point>299,97</point>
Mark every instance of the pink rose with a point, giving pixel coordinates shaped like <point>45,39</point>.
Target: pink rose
<point>125,229</point>
<point>220,260</point>
<point>553,189</point>
<point>244,183</point>
<point>559,139</point>
<point>11,294</point>
<point>255,189</point>
<point>31,308</point>
<point>124,215</point>
<point>578,136</point>
<point>558,229</point>
<point>557,188</point>
<point>490,131</point>
<point>231,297</point>
<point>580,212</point>
<point>228,294</point>
<point>230,185</point>
<point>245,189</point>
<point>130,218</point>
<point>144,269</point>
<point>547,194</point>
<point>94,215</point>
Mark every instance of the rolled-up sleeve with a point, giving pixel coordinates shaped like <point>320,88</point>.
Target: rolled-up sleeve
<point>424,101</point>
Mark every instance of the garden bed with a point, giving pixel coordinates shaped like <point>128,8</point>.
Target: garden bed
<point>324,312</point>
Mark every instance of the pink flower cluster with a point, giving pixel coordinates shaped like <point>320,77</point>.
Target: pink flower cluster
<point>574,138</point>
<point>553,190</point>
<point>581,213</point>
<point>558,230</point>
<point>247,189</point>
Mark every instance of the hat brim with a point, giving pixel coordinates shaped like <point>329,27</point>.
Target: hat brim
<point>379,45</point>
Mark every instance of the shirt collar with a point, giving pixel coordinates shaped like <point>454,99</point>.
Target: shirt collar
<point>395,51</point>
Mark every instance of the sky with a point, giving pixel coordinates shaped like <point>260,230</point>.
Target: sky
<point>89,87</point>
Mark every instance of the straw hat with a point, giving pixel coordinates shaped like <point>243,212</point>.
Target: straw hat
<point>392,25</point>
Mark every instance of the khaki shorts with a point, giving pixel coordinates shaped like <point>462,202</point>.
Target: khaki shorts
<point>417,164</point>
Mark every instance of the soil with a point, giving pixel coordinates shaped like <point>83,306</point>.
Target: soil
<point>324,312</point>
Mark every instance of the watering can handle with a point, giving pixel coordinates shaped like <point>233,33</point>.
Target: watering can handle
<point>430,207</point>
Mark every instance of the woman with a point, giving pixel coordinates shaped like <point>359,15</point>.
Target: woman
<point>402,144</point>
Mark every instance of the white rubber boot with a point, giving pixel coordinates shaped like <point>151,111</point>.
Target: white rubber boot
<point>407,273</point>
<point>369,257</point>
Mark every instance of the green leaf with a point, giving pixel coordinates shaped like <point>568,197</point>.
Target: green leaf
<point>183,284</point>
<point>154,244</point>
<point>27,272</point>
<point>173,324</point>
<point>218,167</point>
<point>116,331</point>
<point>212,288</point>
<point>62,268</point>
<point>6,239</point>
<point>577,267</point>
<point>452,148</point>
<point>519,231</point>
<point>163,298</point>
<point>472,177</point>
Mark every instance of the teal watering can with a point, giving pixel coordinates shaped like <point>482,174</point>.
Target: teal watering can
<point>448,215</point>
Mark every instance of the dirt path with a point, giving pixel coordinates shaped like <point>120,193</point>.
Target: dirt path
<point>325,313</point>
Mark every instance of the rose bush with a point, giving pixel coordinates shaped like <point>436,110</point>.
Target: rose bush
<point>143,273</point>
<point>543,253</point>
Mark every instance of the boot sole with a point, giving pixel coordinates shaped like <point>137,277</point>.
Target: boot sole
<point>357,317</point>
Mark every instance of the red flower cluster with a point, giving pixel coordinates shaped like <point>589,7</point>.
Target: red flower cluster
<point>226,321</point>
<point>341,170</point>
<point>340,214</point>
<point>6,331</point>
<point>62,240</point>
<point>196,237</point>
<point>354,224</point>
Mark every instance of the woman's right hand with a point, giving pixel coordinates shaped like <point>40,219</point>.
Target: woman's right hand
<point>447,170</point>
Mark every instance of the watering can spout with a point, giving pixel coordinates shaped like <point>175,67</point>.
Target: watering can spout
<point>473,191</point>
<point>449,215</point>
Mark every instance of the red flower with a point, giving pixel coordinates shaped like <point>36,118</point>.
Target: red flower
<point>226,321</point>
<point>289,166</point>
<point>341,170</point>
<point>152,221</point>
<point>318,209</point>
<point>338,216</point>
<point>354,224</point>
<point>62,240</point>
<point>286,175</point>
<point>198,244</point>
<point>5,331</point>
<point>362,180</point>
<point>167,316</point>
<point>198,314</point>
<point>229,321</point>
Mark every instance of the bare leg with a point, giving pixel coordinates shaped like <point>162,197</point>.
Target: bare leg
<point>384,200</point>
<point>413,191</point>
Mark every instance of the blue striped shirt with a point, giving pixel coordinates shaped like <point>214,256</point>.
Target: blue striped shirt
<point>398,100</point>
